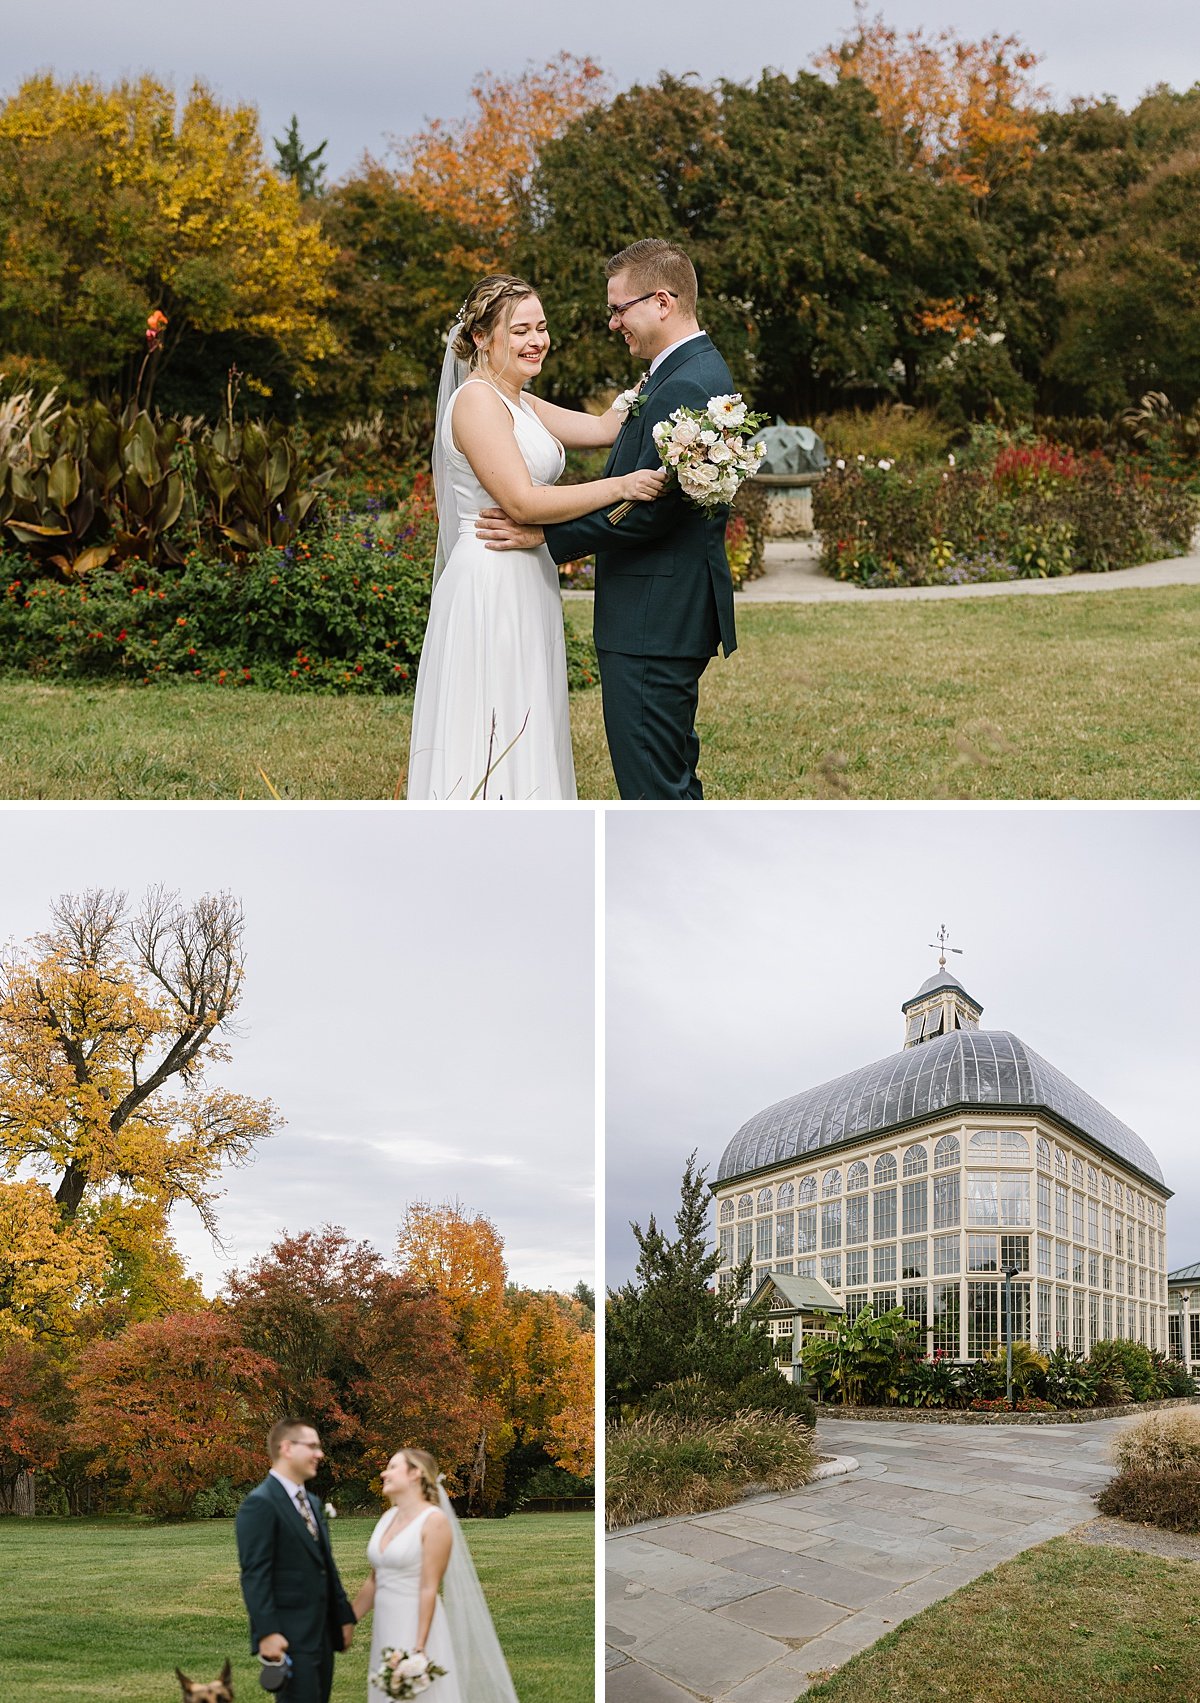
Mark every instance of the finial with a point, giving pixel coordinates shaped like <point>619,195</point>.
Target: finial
<point>942,946</point>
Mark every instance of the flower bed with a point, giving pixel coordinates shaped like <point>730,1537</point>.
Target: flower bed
<point>1023,511</point>
<point>965,1416</point>
<point>343,609</point>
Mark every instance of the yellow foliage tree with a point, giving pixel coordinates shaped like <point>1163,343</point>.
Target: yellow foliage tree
<point>477,174</point>
<point>49,1268</point>
<point>107,1026</point>
<point>963,110</point>
<point>552,1372</point>
<point>114,203</point>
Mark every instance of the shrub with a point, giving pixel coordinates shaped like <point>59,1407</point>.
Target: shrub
<point>1173,1377</point>
<point>1028,1369</point>
<point>1169,1497</point>
<point>697,1400</point>
<point>1161,1440</point>
<point>659,1465</point>
<point>1124,1371</point>
<point>1069,1383</point>
<point>219,1502</point>
<point>892,432</point>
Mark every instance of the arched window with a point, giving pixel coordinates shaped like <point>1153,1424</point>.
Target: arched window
<point>1043,1153</point>
<point>946,1152</point>
<point>856,1177</point>
<point>726,1211</point>
<point>1077,1172</point>
<point>1093,1179</point>
<point>1105,1188</point>
<point>885,1168</point>
<point>998,1146</point>
<point>745,1206</point>
<point>916,1162</point>
<point>807,1191</point>
<point>1120,1194</point>
<point>1060,1164</point>
<point>831,1182</point>
<point>787,1195</point>
<point>765,1200</point>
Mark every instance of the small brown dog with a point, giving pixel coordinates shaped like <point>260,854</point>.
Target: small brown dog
<point>216,1691</point>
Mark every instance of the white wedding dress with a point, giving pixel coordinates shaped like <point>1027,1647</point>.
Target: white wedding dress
<point>494,659</point>
<point>397,1600</point>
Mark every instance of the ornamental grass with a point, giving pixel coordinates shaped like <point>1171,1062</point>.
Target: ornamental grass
<point>657,1465</point>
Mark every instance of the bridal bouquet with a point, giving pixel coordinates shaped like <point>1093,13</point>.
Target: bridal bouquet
<point>708,450</point>
<point>403,1675</point>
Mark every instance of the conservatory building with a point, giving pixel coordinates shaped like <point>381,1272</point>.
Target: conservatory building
<point>918,1181</point>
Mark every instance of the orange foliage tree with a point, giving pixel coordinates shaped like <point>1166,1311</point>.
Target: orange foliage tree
<point>963,110</point>
<point>171,1406</point>
<point>370,1358</point>
<point>476,174</point>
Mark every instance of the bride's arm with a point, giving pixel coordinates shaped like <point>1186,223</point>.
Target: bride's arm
<point>575,429</point>
<point>435,1554</point>
<point>365,1600</point>
<point>483,431</point>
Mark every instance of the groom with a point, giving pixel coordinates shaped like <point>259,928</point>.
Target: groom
<point>664,597</point>
<point>290,1584</point>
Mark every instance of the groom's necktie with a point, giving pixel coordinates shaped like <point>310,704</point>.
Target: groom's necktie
<point>305,1508</point>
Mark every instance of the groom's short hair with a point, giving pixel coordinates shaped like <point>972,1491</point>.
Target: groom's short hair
<point>653,264</point>
<point>284,1431</point>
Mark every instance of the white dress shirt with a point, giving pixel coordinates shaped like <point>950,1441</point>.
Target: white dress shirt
<point>291,1490</point>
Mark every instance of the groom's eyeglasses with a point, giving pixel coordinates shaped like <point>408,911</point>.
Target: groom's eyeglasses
<point>615,312</point>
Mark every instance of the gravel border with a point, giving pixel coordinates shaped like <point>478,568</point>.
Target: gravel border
<point>1151,1540</point>
<point>963,1416</point>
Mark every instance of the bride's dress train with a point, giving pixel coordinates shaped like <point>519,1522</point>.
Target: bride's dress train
<point>493,666</point>
<point>397,1601</point>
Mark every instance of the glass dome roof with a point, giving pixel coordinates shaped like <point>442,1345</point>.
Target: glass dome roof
<point>968,1067</point>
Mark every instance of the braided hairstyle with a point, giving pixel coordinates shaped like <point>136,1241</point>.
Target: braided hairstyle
<point>490,302</point>
<point>425,1464</point>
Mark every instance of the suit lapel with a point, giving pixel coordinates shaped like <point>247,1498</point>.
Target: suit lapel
<point>633,431</point>
<point>296,1519</point>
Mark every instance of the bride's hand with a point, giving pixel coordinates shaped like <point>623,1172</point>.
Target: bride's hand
<point>644,485</point>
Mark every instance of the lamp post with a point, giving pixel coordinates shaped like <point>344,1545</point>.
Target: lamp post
<point>1010,1271</point>
<point>1185,1331</point>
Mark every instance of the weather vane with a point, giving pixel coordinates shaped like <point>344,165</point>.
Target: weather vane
<point>942,946</point>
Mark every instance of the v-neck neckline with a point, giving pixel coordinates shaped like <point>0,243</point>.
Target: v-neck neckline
<point>389,1537</point>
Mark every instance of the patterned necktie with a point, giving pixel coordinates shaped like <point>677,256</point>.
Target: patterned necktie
<point>310,1520</point>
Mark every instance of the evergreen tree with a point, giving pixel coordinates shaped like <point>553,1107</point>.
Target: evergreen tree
<point>305,170</point>
<point>671,1322</point>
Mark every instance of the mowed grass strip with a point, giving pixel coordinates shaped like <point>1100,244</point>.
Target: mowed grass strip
<point>107,1609</point>
<point>1062,1623</point>
<point>1090,695</point>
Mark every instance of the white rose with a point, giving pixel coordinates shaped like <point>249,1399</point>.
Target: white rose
<point>710,438</point>
<point>727,410</point>
<point>686,432</point>
<point>720,453</point>
<point>704,473</point>
<point>421,1683</point>
<point>624,403</point>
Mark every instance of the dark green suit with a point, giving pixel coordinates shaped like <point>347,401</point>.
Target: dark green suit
<point>291,1585</point>
<point>664,598</point>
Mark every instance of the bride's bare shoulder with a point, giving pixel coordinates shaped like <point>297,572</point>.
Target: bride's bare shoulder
<point>477,400</point>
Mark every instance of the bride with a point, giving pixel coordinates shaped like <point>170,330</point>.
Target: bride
<point>417,1544</point>
<point>491,717</point>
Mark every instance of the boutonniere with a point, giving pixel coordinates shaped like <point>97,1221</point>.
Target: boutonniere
<point>629,401</point>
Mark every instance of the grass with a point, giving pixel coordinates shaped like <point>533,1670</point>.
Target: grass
<point>1063,1621</point>
<point>105,1609</point>
<point>1090,695</point>
<point>656,1464</point>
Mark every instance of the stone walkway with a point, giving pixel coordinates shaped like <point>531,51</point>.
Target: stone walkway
<point>793,576</point>
<point>744,1604</point>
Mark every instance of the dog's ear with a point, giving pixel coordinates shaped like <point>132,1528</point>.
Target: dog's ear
<point>227,1672</point>
<point>184,1681</point>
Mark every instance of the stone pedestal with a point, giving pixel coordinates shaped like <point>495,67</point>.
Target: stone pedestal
<point>788,503</point>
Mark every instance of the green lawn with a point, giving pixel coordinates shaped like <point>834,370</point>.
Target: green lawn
<point>106,1609</point>
<point>1087,695</point>
<point>1061,1623</point>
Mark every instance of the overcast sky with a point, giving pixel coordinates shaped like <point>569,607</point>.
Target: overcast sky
<point>418,1002</point>
<point>363,69</point>
<point>752,954</point>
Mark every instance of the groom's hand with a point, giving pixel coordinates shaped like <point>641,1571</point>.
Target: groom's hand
<point>272,1646</point>
<point>500,533</point>
<point>347,1636</point>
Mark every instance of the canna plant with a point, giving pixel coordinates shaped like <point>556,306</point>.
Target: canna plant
<point>253,484</point>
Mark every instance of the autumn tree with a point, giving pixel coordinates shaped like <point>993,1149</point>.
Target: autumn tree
<point>50,1267</point>
<point>371,1358</point>
<point>115,202</point>
<point>964,110</point>
<point>109,1023</point>
<point>171,1406</point>
<point>461,1259</point>
<point>475,175</point>
<point>35,1408</point>
<point>552,1389</point>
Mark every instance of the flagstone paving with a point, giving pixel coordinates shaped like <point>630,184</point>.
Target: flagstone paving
<point>744,1604</point>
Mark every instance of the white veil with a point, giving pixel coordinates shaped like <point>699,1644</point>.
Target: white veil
<point>483,1675</point>
<point>454,372</point>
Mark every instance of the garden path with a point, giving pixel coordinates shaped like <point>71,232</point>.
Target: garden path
<point>793,576</point>
<point>743,1604</point>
